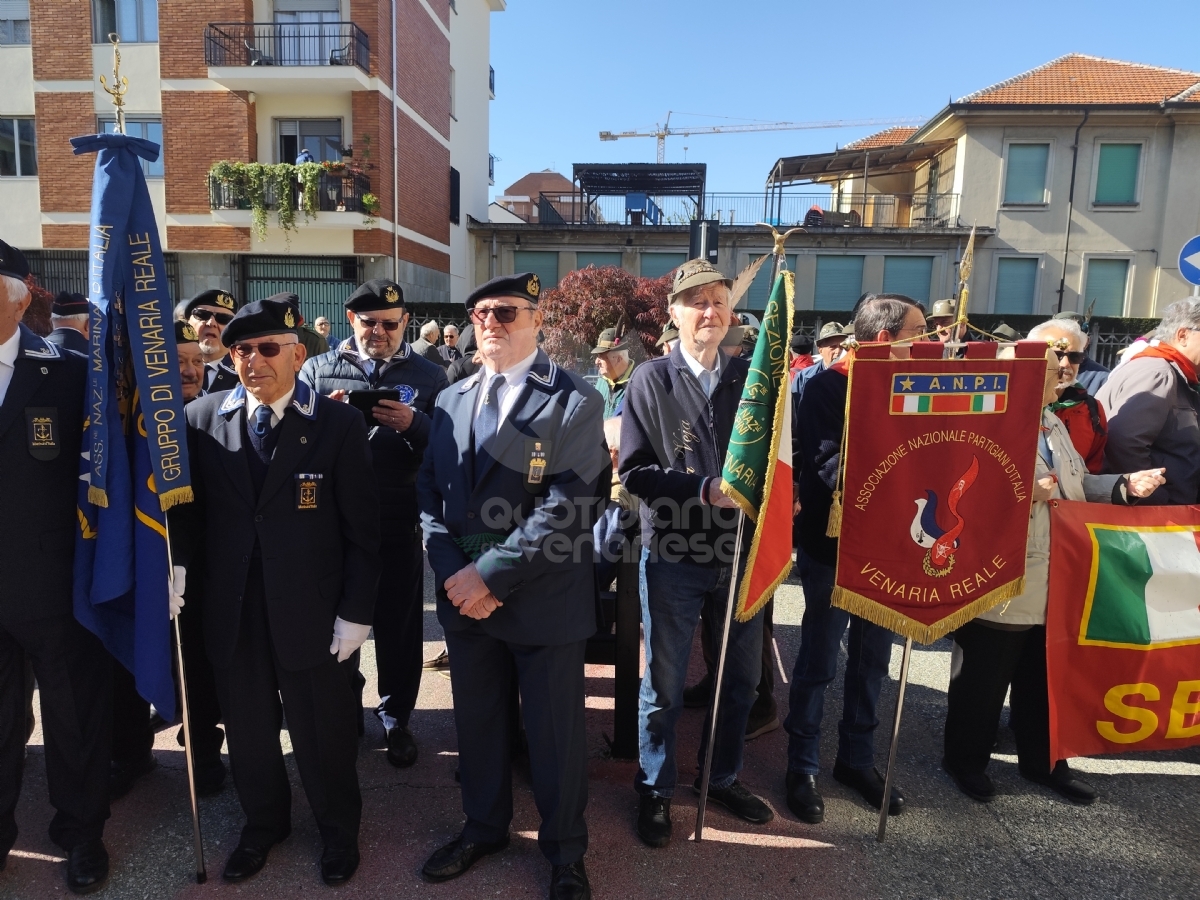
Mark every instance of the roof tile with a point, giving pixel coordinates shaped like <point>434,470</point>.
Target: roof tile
<point>1080,80</point>
<point>888,138</point>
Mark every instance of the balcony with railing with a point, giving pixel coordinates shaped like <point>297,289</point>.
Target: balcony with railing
<point>810,210</point>
<point>288,57</point>
<point>336,192</point>
<point>492,82</point>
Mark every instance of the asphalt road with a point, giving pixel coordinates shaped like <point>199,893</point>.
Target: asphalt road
<point>1140,840</point>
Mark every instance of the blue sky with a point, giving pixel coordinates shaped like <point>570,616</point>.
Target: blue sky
<point>567,69</point>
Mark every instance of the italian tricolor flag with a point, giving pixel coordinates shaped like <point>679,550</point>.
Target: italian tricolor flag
<point>1145,587</point>
<point>757,473</point>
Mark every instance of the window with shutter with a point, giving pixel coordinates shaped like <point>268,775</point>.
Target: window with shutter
<point>1117,174</point>
<point>908,275</point>
<point>839,282</point>
<point>1105,286</point>
<point>1025,174</point>
<point>543,263</point>
<point>656,265</point>
<point>760,289</point>
<point>599,260</point>
<point>1016,285</point>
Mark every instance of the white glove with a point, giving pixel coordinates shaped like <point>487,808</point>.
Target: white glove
<point>175,588</point>
<point>347,637</point>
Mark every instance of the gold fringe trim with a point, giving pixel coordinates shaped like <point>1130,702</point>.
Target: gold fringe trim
<point>885,617</point>
<point>834,527</point>
<point>174,497</point>
<point>766,596</point>
<point>743,503</point>
<point>97,497</point>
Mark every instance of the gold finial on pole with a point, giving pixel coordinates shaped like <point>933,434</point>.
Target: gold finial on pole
<point>120,84</point>
<point>964,274</point>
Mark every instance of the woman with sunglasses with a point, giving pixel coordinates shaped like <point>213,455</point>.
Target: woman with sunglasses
<point>1079,410</point>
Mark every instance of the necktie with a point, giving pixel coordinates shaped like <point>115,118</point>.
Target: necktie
<point>262,421</point>
<point>208,376</point>
<point>487,422</point>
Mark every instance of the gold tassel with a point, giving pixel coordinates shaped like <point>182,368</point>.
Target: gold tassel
<point>174,497</point>
<point>97,497</point>
<point>834,528</point>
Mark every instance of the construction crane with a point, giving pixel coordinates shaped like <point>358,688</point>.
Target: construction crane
<point>663,131</point>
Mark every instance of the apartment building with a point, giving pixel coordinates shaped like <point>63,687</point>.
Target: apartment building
<point>393,95</point>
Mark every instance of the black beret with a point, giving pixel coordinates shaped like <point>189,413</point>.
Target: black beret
<point>378,293</point>
<point>185,333</point>
<point>293,300</point>
<point>524,284</point>
<point>220,299</point>
<point>68,304</point>
<point>258,318</point>
<point>13,263</point>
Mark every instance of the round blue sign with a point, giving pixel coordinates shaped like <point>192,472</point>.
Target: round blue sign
<point>407,394</point>
<point>1189,261</point>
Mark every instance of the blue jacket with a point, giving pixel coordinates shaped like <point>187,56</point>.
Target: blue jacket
<point>1092,375</point>
<point>396,455</point>
<point>540,517</point>
<point>816,455</point>
<point>673,442</point>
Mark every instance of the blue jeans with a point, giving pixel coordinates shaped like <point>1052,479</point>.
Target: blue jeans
<point>868,650</point>
<point>672,596</point>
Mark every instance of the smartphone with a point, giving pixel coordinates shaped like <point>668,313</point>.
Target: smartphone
<point>368,400</point>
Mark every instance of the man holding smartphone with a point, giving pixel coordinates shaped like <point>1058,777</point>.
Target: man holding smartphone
<point>377,358</point>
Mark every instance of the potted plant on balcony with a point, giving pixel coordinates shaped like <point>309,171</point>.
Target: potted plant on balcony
<point>370,207</point>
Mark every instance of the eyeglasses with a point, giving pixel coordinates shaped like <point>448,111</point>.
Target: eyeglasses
<point>505,315</point>
<point>203,315</point>
<point>1074,357</point>
<point>265,348</point>
<point>388,325</point>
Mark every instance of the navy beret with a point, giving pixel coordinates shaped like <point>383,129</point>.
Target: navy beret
<point>524,284</point>
<point>292,300</point>
<point>185,333</point>
<point>258,318</point>
<point>220,299</point>
<point>13,262</point>
<point>68,304</point>
<point>378,293</point>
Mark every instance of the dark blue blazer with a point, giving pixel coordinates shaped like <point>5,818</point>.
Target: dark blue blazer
<point>69,339</point>
<point>542,569</point>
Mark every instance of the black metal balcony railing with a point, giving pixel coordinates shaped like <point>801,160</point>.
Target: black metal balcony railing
<point>286,44</point>
<point>336,192</point>
<point>492,82</point>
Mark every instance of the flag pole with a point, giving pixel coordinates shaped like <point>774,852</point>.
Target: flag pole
<point>716,696</point>
<point>891,767</point>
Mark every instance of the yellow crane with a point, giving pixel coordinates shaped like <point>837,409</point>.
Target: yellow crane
<point>664,130</point>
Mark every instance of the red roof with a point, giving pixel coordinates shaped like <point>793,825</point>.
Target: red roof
<point>888,138</point>
<point>545,182</point>
<point>1079,80</point>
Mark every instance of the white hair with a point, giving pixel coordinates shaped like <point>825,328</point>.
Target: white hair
<point>73,319</point>
<point>430,329</point>
<point>450,328</point>
<point>612,432</point>
<point>1066,326</point>
<point>1183,313</point>
<point>624,354</point>
<point>14,288</point>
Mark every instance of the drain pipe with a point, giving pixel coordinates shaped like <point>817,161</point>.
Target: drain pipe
<point>1062,282</point>
<point>395,160</point>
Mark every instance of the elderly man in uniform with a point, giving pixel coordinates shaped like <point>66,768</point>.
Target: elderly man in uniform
<point>41,429</point>
<point>942,320</point>
<point>377,358</point>
<point>69,319</point>
<point>285,528</point>
<point>208,313</point>
<point>509,489</point>
<point>427,344</point>
<point>612,362</point>
<point>449,351</point>
<point>678,418</point>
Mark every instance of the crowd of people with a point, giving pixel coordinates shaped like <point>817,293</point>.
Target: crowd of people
<point>324,480</point>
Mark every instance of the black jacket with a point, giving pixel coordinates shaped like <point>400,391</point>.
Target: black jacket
<point>397,455</point>
<point>319,553</point>
<point>673,442</point>
<point>41,428</point>
<point>816,455</point>
<point>225,379</point>
<point>69,339</point>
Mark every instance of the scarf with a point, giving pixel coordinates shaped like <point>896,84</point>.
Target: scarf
<point>1165,351</point>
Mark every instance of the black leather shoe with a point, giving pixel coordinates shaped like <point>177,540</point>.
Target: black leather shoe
<point>654,820</point>
<point>699,695</point>
<point>740,802</point>
<point>401,748</point>
<point>570,882</point>
<point>869,783</point>
<point>1063,781</point>
<point>977,785</point>
<point>338,865</point>
<point>803,798</point>
<point>456,857</point>
<point>87,867</point>
<point>244,862</point>
<point>123,776</point>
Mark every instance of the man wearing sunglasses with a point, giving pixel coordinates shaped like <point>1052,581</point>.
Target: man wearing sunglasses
<point>1076,407</point>
<point>509,490</point>
<point>284,537</point>
<point>377,357</point>
<point>1091,374</point>
<point>208,313</point>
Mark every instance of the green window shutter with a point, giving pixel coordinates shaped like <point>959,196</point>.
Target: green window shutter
<point>839,282</point>
<point>760,289</point>
<point>543,263</point>
<point>1116,180</point>
<point>599,260</point>
<point>1025,177</point>
<point>656,265</point>
<point>908,275</point>
<point>1016,281</point>
<point>1106,279</point>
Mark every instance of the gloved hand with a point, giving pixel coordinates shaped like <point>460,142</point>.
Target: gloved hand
<point>347,637</point>
<point>175,588</point>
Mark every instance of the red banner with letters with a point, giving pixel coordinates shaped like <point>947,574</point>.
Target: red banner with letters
<point>1123,628</point>
<point>939,461</point>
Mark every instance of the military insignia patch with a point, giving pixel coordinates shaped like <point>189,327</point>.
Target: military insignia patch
<point>288,319</point>
<point>225,300</point>
<point>537,462</point>
<point>189,333</point>
<point>42,429</point>
<point>391,295</point>
<point>534,286</point>
<point>407,393</point>
<point>308,490</point>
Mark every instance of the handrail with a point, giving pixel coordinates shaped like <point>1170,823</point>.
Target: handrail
<point>286,44</point>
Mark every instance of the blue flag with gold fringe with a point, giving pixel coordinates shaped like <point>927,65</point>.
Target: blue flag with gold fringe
<point>134,462</point>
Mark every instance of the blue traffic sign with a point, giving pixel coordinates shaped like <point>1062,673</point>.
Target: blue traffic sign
<point>1189,261</point>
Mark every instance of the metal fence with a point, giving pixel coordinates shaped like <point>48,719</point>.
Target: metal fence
<point>286,44</point>
<point>321,282</point>
<point>336,192</point>
<point>67,270</point>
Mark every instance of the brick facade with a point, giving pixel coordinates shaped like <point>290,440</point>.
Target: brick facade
<point>64,179</point>
<point>378,242</point>
<point>65,237</point>
<point>375,18</point>
<point>373,116</point>
<point>423,65</point>
<point>199,129</point>
<point>181,25</point>
<point>424,182</point>
<point>61,34</point>
<point>208,237</point>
